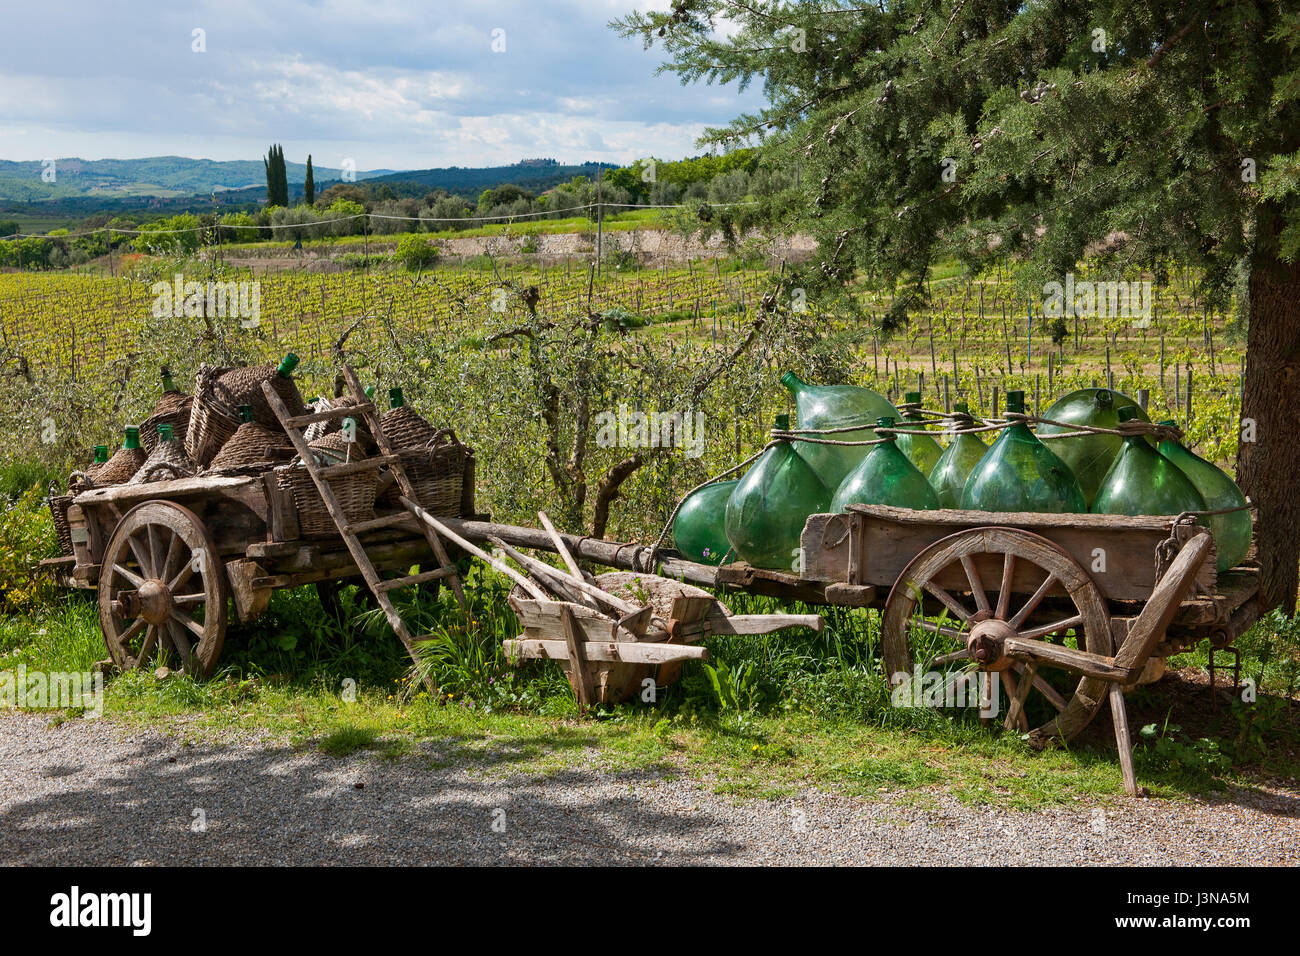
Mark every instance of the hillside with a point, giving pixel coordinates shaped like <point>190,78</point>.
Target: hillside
<point>155,176</point>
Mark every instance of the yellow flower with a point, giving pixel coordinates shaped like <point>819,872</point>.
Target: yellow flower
<point>755,746</point>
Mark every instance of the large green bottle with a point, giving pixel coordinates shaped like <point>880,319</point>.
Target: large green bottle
<point>1020,473</point>
<point>767,509</point>
<point>948,478</point>
<point>836,406</point>
<point>1089,456</point>
<point>1143,482</point>
<point>700,528</point>
<point>886,477</point>
<point>922,450</point>
<point>1231,531</point>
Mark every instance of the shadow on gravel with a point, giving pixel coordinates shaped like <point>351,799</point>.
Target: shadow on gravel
<point>142,800</point>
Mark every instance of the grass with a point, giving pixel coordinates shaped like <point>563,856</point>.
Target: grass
<point>811,709</point>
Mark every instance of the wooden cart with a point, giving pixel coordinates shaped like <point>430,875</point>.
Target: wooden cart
<point>167,557</point>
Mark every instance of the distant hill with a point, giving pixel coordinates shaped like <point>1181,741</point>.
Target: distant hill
<point>535,175</point>
<point>156,176</point>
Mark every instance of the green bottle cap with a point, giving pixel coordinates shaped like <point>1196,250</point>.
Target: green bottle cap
<point>287,365</point>
<point>395,399</point>
<point>1170,421</point>
<point>1128,413</point>
<point>370,391</point>
<point>132,437</point>
<point>886,422</point>
<point>783,423</point>
<point>1016,401</point>
<point>911,396</point>
<point>167,384</point>
<point>101,454</point>
<point>1105,398</point>
<point>245,413</point>
<point>165,432</point>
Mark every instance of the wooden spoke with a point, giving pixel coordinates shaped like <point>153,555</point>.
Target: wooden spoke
<point>1033,602</point>
<point>976,585</point>
<point>189,623</point>
<point>174,548</point>
<point>1036,632</point>
<point>185,600</point>
<point>950,602</point>
<point>141,554</point>
<point>960,655</point>
<point>130,575</point>
<point>1004,594</point>
<point>1047,690</point>
<point>182,577</point>
<point>954,633</point>
<point>157,556</point>
<point>1018,692</point>
<point>150,639</point>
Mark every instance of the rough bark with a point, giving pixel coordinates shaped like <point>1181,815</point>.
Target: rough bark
<point>1267,468</point>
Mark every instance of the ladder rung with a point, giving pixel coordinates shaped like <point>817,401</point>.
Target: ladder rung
<point>352,467</point>
<point>386,521</point>
<point>342,411</point>
<point>395,583</point>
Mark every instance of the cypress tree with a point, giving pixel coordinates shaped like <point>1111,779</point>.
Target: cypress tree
<point>995,131</point>
<point>309,186</point>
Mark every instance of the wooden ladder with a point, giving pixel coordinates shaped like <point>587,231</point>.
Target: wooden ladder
<point>379,587</point>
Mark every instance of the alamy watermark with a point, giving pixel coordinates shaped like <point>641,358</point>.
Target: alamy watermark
<point>951,690</point>
<point>626,428</point>
<point>1126,300</point>
<point>218,300</point>
<point>52,690</point>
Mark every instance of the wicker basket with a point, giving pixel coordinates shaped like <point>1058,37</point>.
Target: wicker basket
<point>168,411</point>
<point>121,467</point>
<point>355,494</point>
<point>212,419</point>
<point>168,460</point>
<point>243,386</point>
<point>318,430</point>
<point>252,444</point>
<point>59,512</point>
<point>405,429</point>
<point>436,472</point>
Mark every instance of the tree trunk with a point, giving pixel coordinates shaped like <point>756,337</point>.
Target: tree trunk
<point>1266,468</point>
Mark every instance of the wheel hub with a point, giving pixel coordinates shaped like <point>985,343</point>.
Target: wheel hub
<point>986,644</point>
<point>155,601</point>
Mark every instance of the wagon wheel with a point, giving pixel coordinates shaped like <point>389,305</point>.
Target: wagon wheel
<point>161,585</point>
<point>995,631</point>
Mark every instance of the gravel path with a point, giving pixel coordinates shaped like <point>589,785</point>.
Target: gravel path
<point>94,792</point>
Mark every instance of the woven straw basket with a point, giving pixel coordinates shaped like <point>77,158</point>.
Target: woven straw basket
<point>172,409</point>
<point>212,419</point>
<point>404,428</point>
<point>436,472</point>
<point>252,444</point>
<point>121,467</point>
<point>168,460</point>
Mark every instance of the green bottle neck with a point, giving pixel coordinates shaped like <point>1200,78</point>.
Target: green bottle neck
<point>101,454</point>
<point>395,398</point>
<point>132,439</point>
<point>167,384</point>
<point>287,365</point>
<point>793,383</point>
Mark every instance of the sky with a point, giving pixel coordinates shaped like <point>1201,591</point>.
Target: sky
<point>397,84</point>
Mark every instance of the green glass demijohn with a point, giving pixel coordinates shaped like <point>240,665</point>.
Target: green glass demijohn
<point>886,477</point>
<point>1143,482</point>
<point>1020,473</point>
<point>921,450</point>
<point>700,528</point>
<point>767,509</point>
<point>948,477</point>
<point>101,454</point>
<point>836,406</point>
<point>1089,456</point>
<point>1232,530</point>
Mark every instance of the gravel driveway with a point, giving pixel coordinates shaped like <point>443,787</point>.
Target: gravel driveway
<point>95,792</point>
